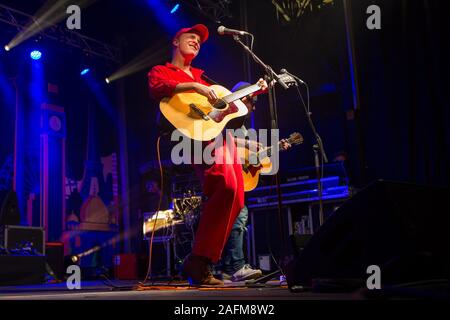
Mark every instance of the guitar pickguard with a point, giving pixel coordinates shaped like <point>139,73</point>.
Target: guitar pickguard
<point>219,115</point>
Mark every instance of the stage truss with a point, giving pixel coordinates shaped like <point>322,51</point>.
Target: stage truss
<point>213,10</point>
<point>21,20</point>
<point>288,11</point>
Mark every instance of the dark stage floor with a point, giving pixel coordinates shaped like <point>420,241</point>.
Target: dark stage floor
<point>123,290</point>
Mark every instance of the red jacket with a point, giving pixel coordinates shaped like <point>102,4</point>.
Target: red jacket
<point>163,79</point>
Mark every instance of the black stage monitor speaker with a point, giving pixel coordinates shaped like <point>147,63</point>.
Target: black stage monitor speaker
<point>402,228</point>
<point>9,208</point>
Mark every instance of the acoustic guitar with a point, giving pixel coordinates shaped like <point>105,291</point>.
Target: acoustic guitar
<point>196,118</point>
<point>255,163</point>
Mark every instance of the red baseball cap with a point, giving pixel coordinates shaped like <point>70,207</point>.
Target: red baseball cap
<point>199,29</point>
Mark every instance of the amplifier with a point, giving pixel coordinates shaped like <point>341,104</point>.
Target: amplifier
<point>23,239</point>
<point>16,270</point>
<point>302,187</point>
<point>297,192</point>
<point>126,266</point>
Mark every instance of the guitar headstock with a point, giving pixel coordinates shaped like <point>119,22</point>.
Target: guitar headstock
<point>295,138</point>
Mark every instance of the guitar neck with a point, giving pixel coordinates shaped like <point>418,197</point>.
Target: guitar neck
<point>241,93</point>
<point>268,150</point>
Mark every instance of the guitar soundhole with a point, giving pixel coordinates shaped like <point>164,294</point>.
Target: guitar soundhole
<point>218,115</point>
<point>220,104</point>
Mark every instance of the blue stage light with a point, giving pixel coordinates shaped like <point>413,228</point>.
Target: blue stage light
<point>35,54</point>
<point>175,8</point>
<point>85,71</point>
<point>164,14</point>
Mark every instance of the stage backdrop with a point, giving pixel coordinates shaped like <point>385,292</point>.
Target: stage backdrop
<point>64,148</point>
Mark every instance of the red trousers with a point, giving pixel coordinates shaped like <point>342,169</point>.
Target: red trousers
<point>224,188</point>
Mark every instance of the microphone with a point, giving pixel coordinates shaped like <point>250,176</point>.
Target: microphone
<point>284,71</point>
<point>222,31</point>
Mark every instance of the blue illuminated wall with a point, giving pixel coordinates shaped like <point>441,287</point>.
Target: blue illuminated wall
<point>7,111</point>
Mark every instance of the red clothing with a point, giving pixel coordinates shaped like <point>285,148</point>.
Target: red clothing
<point>222,183</point>
<point>162,80</point>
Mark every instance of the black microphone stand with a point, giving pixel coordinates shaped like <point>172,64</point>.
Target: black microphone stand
<point>270,76</point>
<point>318,161</point>
<point>317,148</point>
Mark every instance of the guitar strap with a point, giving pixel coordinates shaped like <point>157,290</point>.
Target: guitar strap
<point>208,79</point>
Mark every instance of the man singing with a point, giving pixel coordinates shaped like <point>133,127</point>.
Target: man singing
<point>222,182</point>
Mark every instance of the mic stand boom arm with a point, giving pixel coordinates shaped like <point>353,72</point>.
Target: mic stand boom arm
<point>270,73</point>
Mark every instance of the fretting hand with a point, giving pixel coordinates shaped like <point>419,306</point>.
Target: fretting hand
<point>284,145</point>
<point>263,84</point>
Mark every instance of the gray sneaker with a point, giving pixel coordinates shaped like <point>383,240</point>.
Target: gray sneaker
<point>246,273</point>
